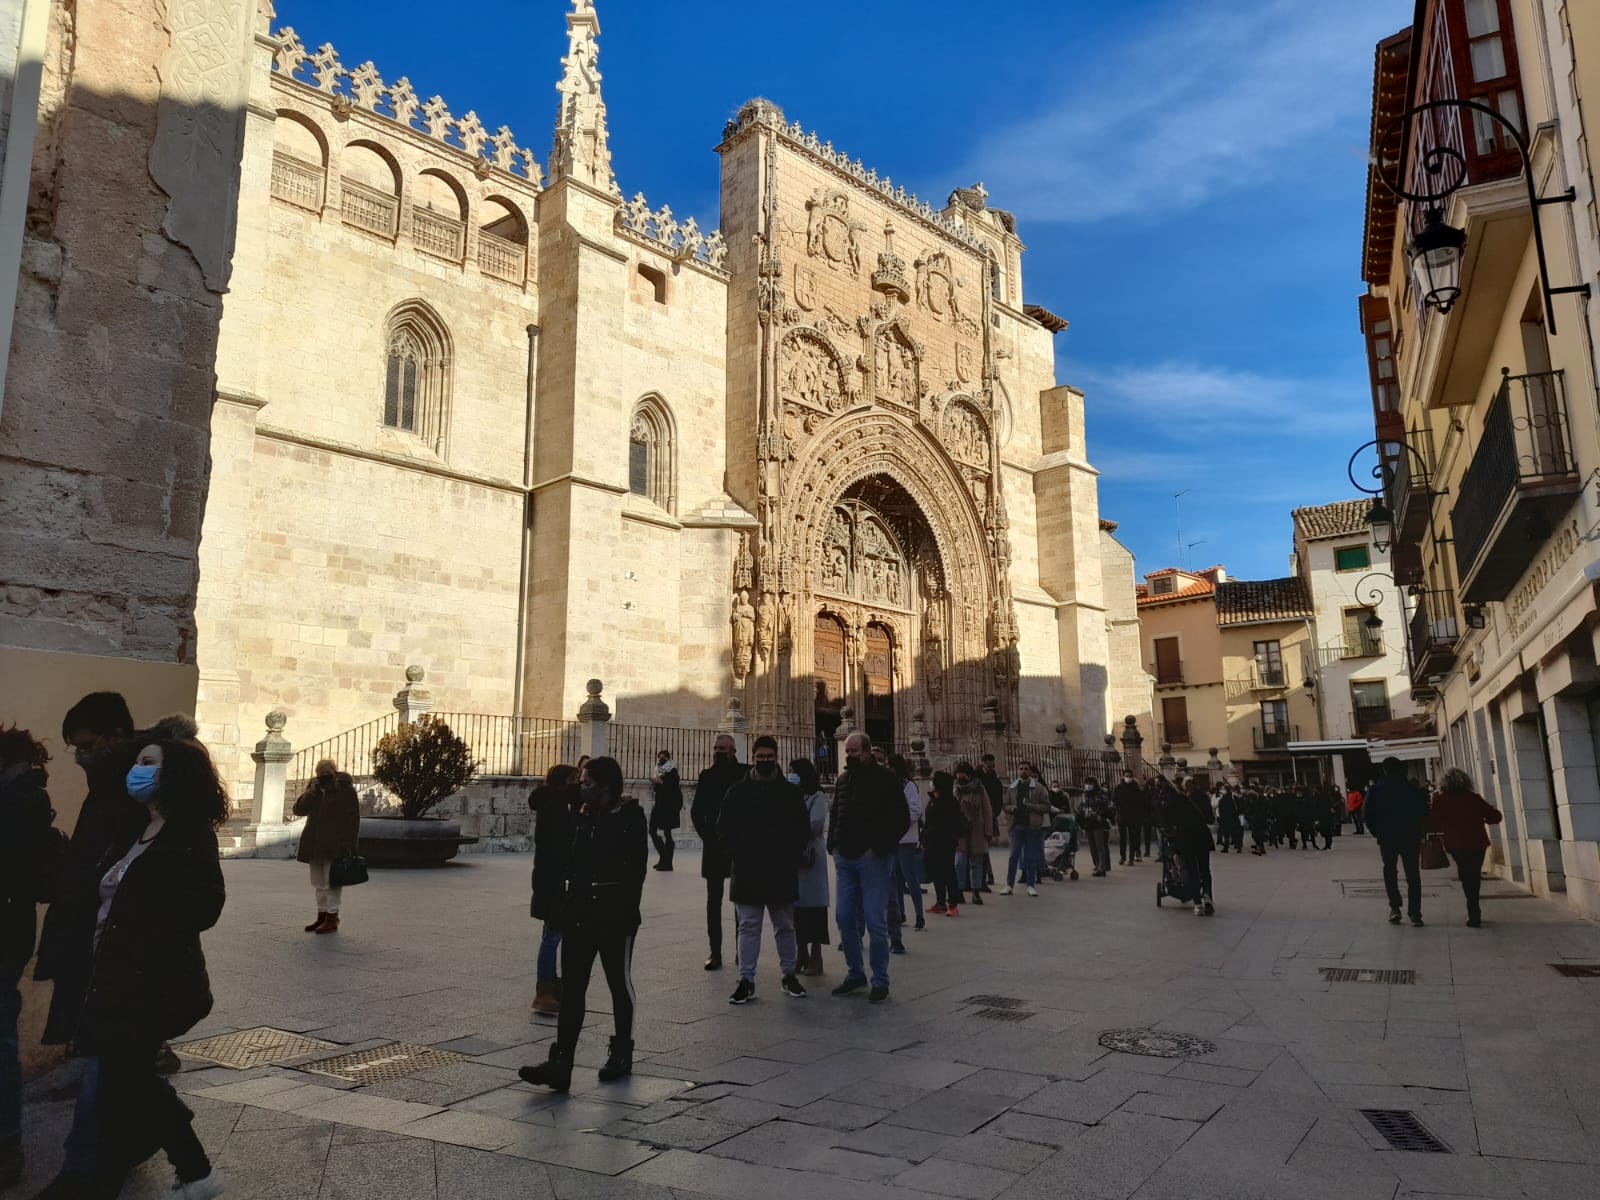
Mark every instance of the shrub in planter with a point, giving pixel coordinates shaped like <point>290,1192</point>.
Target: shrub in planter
<point>422,764</point>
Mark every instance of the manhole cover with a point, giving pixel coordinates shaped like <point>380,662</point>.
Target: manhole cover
<point>995,1001</point>
<point>1002,1014</point>
<point>253,1047</point>
<point>1154,1043</point>
<point>1361,975</point>
<point>390,1061</point>
<point>1401,1129</point>
<point>1578,970</point>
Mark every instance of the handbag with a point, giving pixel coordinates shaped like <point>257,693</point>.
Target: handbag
<point>1431,856</point>
<point>347,871</point>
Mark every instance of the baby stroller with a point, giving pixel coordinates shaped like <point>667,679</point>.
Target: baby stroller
<point>1061,847</point>
<point>1175,880</point>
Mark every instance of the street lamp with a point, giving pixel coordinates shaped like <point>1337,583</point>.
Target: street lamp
<point>1436,251</point>
<point>1381,521</point>
<point>1435,255</point>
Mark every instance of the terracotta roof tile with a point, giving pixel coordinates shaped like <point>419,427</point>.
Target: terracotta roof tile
<point>1340,519</point>
<point>1196,591</point>
<point>1243,600</point>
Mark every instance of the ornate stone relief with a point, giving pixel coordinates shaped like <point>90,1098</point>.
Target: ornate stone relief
<point>831,234</point>
<point>862,558</point>
<point>964,363</point>
<point>744,634</point>
<point>743,564</point>
<point>811,372</point>
<point>965,434</point>
<point>805,287</point>
<point>896,371</point>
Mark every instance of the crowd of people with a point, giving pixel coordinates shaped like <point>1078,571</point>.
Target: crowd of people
<point>138,881</point>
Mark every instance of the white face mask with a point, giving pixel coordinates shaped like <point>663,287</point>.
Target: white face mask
<point>793,778</point>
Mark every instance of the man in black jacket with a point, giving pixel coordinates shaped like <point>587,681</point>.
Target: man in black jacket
<point>725,771</point>
<point>869,816</point>
<point>1128,796</point>
<point>763,830</point>
<point>1397,815</point>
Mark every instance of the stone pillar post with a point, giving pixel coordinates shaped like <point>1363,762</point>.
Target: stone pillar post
<point>413,700</point>
<point>1166,764</point>
<point>1114,765</point>
<point>594,715</point>
<point>921,765</point>
<point>992,724</point>
<point>272,756</point>
<point>847,726</point>
<point>737,726</point>
<point>1133,745</point>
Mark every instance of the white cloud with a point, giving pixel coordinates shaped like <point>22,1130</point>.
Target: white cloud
<point>1187,401</point>
<point>1209,97</point>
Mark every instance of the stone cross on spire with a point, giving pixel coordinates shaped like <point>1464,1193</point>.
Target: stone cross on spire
<point>581,148</point>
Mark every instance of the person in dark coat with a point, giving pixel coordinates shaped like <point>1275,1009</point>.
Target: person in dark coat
<point>666,814</point>
<point>869,817</point>
<point>709,789</point>
<point>763,829</point>
<point>26,853</point>
<point>1096,815</point>
<point>98,728</point>
<point>158,893</point>
<point>333,830</point>
<point>1397,817</point>
<point>1460,814</point>
<point>1129,800</point>
<point>1230,829</point>
<point>994,787</point>
<point>1186,817</point>
<point>600,918</point>
<point>943,828</point>
<point>554,806</point>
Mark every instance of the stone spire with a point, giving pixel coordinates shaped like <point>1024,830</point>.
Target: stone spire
<point>581,149</point>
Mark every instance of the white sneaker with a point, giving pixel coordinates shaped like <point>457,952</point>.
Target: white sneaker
<point>1032,891</point>
<point>1199,910</point>
<point>1005,891</point>
<point>211,1186</point>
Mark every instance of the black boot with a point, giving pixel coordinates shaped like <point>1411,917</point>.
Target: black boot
<point>619,1062</point>
<point>554,1073</point>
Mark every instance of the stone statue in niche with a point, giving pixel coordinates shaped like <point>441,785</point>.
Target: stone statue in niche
<point>964,436</point>
<point>809,375</point>
<point>891,581</point>
<point>835,569</point>
<point>743,563</point>
<point>744,635</point>
<point>895,370</point>
<point>766,625</point>
<point>831,234</point>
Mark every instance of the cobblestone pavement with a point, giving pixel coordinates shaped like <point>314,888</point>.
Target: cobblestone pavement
<point>985,1076</point>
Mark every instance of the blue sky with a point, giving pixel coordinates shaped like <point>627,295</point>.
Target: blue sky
<point>1188,176</point>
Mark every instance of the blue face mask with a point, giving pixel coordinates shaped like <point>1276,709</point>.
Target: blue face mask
<point>142,782</point>
<point>793,778</point>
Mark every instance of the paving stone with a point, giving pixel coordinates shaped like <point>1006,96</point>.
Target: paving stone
<point>834,1114</point>
<point>1028,1127</point>
<point>466,1129</point>
<point>1086,1102</point>
<point>988,1149</point>
<point>684,1132</point>
<point>576,1115</point>
<point>775,1144</point>
<point>875,1093</point>
<point>466,1174</point>
<point>378,1170</point>
<point>1182,1108</point>
<point>513,1103</point>
<point>951,1112</point>
<point>742,1111</point>
<point>369,1112</point>
<point>633,1089</point>
<point>1016,1084</point>
<point>964,1180</point>
<point>1209,1073</point>
<point>1113,1159</point>
<point>584,1152</point>
<point>851,1164</point>
<point>475,1046</point>
<point>893,1141</point>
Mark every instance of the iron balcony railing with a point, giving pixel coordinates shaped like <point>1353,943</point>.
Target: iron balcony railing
<point>1409,486</point>
<point>1269,675</point>
<point>1274,738</point>
<point>1523,464</point>
<point>1175,733</point>
<point>1435,629</point>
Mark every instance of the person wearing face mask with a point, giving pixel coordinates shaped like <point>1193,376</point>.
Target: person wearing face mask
<point>158,893</point>
<point>25,848</point>
<point>941,834</point>
<point>554,806</point>
<point>763,830</point>
<point>811,908</point>
<point>973,853</point>
<point>868,818</point>
<point>666,814</point>
<point>600,919</point>
<point>333,828</point>
<point>713,784</point>
<point>1029,805</point>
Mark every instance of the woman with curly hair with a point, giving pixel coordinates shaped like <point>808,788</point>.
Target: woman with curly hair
<point>157,895</point>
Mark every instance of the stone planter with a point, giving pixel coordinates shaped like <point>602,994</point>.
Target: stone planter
<point>403,842</point>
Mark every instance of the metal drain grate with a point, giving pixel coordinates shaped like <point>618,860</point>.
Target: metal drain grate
<point>995,1001</point>
<point>1401,1129</point>
<point>253,1047</point>
<point>1362,975</point>
<point>1156,1043</point>
<point>1577,970</point>
<point>1002,1014</point>
<point>393,1060</point>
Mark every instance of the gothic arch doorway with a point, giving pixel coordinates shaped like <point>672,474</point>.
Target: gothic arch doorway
<point>828,670</point>
<point>878,685</point>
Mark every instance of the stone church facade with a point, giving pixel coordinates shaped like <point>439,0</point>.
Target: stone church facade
<point>489,416</point>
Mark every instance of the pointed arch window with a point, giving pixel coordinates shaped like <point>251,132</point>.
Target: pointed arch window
<point>416,383</point>
<point>653,453</point>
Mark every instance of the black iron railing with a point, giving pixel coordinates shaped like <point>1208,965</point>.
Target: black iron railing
<point>1525,441</point>
<point>1274,738</point>
<point>1435,629</point>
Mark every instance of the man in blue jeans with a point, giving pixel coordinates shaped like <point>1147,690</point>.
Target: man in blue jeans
<point>868,818</point>
<point>1028,801</point>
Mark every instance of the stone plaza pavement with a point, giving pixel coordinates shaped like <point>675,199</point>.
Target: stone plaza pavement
<point>930,1094</point>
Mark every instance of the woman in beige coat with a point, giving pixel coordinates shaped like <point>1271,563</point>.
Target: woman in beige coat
<point>977,812</point>
<point>333,826</point>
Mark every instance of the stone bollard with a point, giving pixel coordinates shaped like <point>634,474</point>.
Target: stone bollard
<point>736,725</point>
<point>594,717</point>
<point>272,755</point>
<point>413,700</point>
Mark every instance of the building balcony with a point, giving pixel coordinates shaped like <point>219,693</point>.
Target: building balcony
<point>1265,678</point>
<point>1270,740</point>
<point>297,181</point>
<point>1363,719</point>
<point>441,236</point>
<point>1175,734</point>
<point>1409,491</point>
<point>368,208</point>
<point>1520,482</point>
<point>1367,645</point>
<point>1435,630</point>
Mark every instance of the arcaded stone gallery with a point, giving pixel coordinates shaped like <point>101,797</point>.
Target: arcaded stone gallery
<point>499,421</point>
